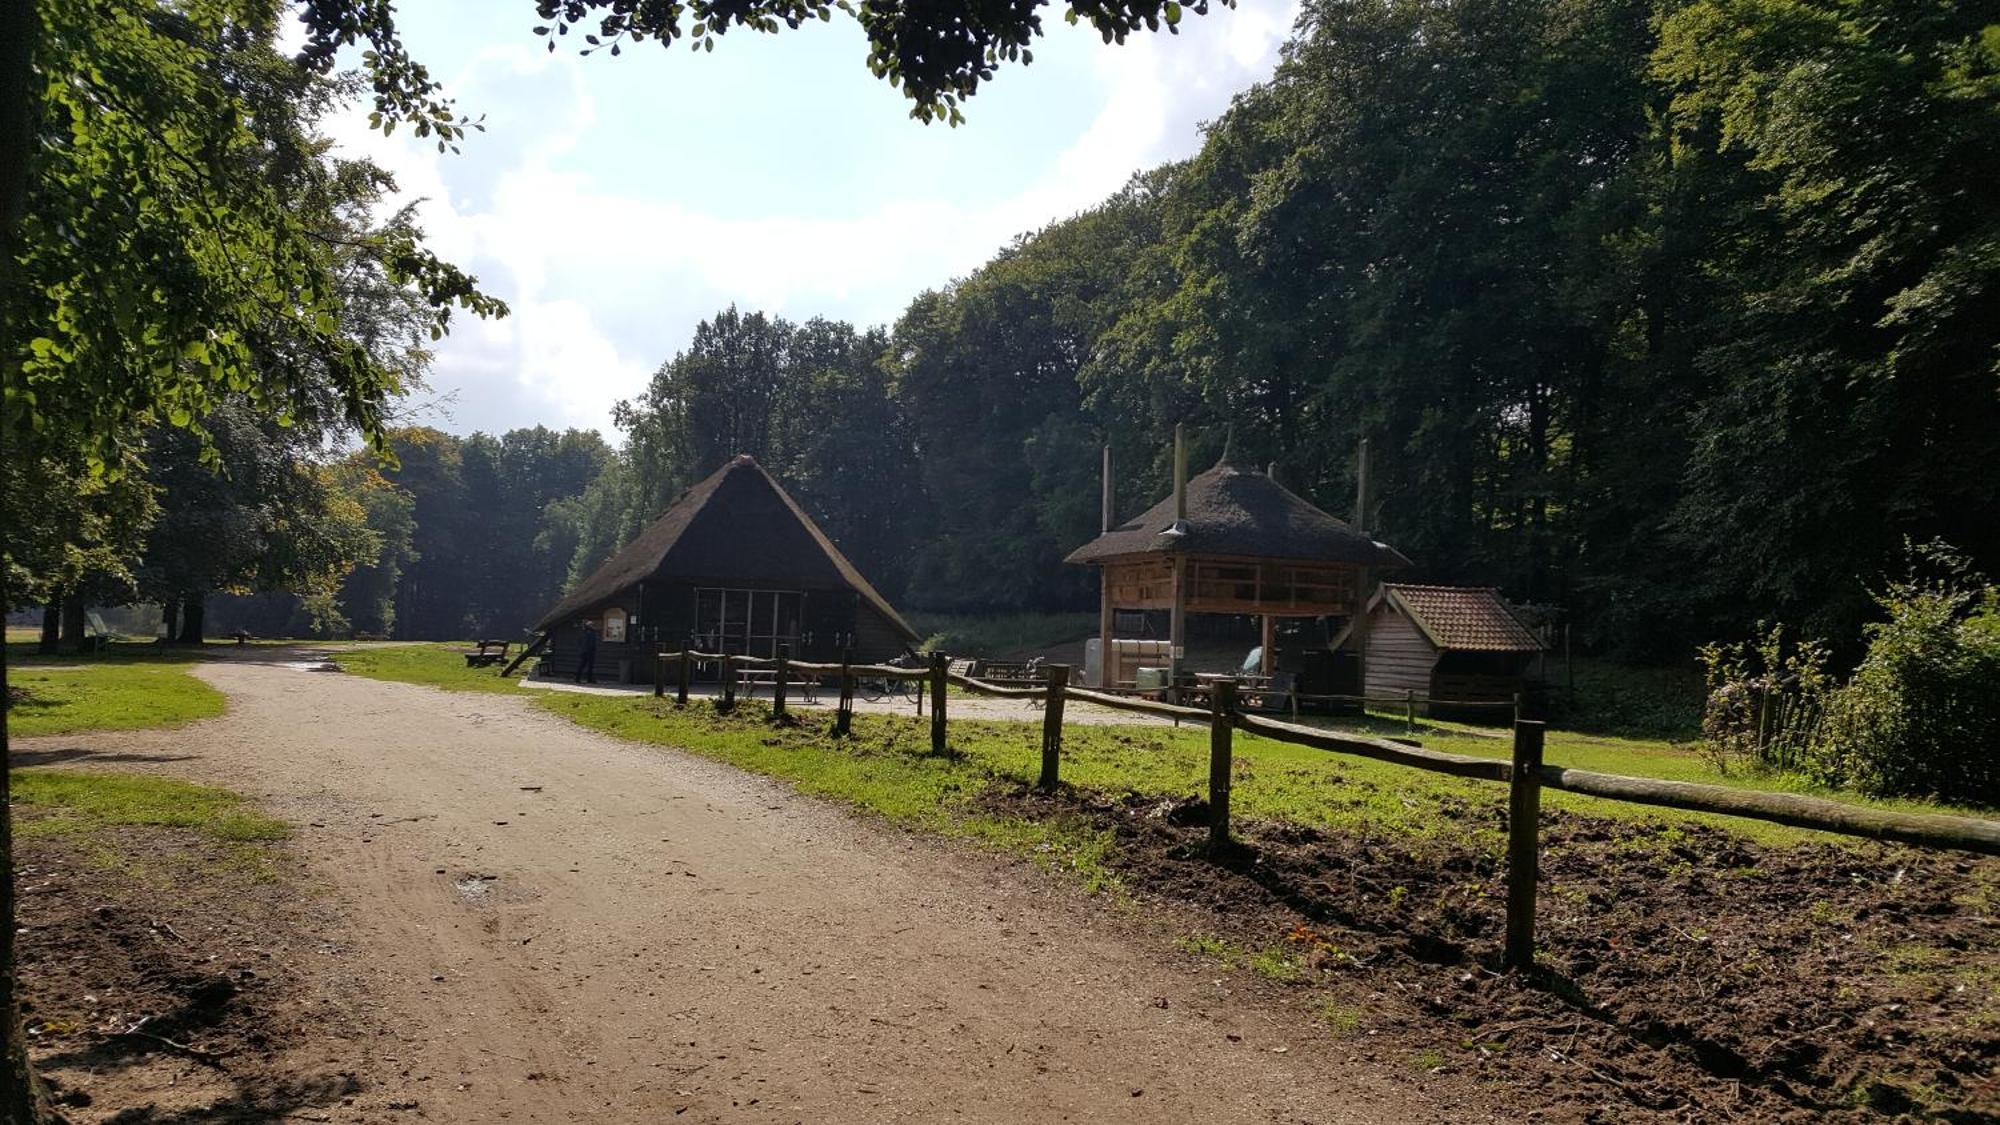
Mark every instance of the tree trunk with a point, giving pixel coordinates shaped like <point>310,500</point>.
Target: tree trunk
<point>191,619</point>
<point>72,624</point>
<point>23,1101</point>
<point>51,630</point>
<point>170,619</point>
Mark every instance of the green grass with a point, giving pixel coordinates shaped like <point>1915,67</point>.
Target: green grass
<point>885,768</point>
<point>996,637</point>
<point>438,665</point>
<point>76,802</point>
<point>128,688</point>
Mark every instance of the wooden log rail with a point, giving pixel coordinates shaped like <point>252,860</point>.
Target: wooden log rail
<point>1141,706</point>
<point>1380,749</point>
<point>1928,830</point>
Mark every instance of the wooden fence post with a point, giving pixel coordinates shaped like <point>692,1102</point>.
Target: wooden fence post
<point>1409,710</point>
<point>728,683</point>
<point>682,674</point>
<point>937,702</point>
<point>1052,717</point>
<point>778,682</point>
<point>1221,723</point>
<point>1524,813</point>
<point>843,715</point>
<point>659,671</point>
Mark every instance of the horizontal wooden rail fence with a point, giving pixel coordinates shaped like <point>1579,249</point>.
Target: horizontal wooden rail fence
<point>1930,830</point>
<point>1380,749</point>
<point>1525,774</point>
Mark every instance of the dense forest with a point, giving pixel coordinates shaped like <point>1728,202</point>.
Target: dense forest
<point>1675,316</point>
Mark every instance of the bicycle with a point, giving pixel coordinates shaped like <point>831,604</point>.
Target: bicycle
<point>874,689</point>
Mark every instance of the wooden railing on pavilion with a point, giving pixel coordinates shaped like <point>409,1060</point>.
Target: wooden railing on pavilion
<point>1525,774</point>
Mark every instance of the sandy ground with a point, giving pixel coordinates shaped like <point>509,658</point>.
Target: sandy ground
<point>542,924</point>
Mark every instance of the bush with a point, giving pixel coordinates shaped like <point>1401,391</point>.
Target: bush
<point>1921,715</point>
<point>1765,701</point>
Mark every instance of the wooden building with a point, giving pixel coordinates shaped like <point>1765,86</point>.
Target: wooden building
<point>1454,643</point>
<point>1232,541</point>
<point>737,565</point>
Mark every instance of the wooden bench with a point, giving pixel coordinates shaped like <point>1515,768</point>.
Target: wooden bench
<point>1012,672</point>
<point>487,654</point>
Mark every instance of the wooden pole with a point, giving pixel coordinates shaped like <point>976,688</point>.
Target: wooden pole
<point>783,671</point>
<point>1180,471</point>
<point>1106,616</point>
<point>1107,502</point>
<point>1524,812</point>
<point>1177,630</point>
<point>1268,643</point>
<point>1177,622</point>
<point>1361,483</point>
<point>683,674</point>
<point>1409,710</point>
<point>728,683</point>
<point>937,702</point>
<point>659,671</point>
<point>1221,724</point>
<point>1052,719</point>
<point>843,715</point>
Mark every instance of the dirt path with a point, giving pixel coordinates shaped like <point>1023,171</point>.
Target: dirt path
<point>549,925</point>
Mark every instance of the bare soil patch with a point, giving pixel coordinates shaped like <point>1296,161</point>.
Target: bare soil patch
<point>1689,975</point>
<point>169,978</point>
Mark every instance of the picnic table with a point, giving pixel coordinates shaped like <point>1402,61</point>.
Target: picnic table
<point>750,678</point>
<point>487,654</point>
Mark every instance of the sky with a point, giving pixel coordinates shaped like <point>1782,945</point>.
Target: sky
<point>615,202</point>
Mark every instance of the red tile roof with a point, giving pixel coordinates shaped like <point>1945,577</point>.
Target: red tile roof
<point>1464,618</point>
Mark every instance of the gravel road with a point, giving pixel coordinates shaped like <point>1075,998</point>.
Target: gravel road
<point>545,924</point>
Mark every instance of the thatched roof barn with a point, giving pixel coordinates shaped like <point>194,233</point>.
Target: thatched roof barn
<point>737,565</point>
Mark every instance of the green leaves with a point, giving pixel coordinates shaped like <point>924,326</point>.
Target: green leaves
<point>189,238</point>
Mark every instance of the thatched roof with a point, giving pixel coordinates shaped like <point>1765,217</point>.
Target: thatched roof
<point>1464,618</point>
<point>739,524</point>
<point>1237,511</point>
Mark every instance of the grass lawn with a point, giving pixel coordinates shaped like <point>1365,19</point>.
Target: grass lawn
<point>436,665</point>
<point>129,687</point>
<point>998,636</point>
<point>76,802</point>
<point>885,767</point>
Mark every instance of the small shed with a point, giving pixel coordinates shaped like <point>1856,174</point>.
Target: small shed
<point>736,565</point>
<point>1456,643</point>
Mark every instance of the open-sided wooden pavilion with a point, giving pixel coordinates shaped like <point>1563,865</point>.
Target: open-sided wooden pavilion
<point>1231,541</point>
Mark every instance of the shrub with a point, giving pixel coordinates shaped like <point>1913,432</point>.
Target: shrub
<point>1765,701</point>
<point>1921,715</point>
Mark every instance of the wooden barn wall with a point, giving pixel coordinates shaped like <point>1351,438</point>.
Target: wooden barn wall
<point>1399,657</point>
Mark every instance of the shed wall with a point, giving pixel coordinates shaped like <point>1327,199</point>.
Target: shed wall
<point>1399,657</point>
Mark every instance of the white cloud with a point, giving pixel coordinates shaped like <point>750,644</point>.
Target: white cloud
<point>605,284</point>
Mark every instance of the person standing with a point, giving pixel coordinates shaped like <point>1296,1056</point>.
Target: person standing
<point>586,659</point>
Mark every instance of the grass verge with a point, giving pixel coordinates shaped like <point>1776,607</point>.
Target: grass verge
<point>77,802</point>
<point>435,665</point>
<point>119,691</point>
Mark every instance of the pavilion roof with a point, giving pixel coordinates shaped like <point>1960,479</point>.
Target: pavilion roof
<point>1241,512</point>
